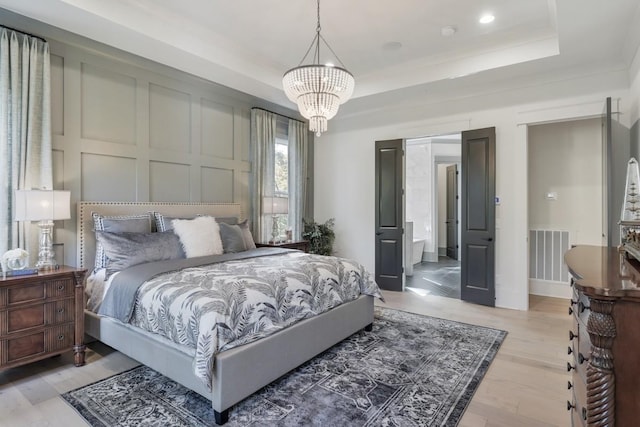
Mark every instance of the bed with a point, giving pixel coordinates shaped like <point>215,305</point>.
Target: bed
<point>238,372</point>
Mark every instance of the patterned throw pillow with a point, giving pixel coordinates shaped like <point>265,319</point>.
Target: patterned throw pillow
<point>163,222</point>
<point>130,223</point>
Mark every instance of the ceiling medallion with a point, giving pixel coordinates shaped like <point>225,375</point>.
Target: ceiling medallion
<point>317,88</point>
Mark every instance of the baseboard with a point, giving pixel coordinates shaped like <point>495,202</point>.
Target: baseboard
<point>430,256</point>
<point>442,251</point>
<point>549,289</point>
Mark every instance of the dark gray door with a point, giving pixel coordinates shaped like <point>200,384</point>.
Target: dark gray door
<point>478,216</point>
<point>452,211</point>
<point>389,214</point>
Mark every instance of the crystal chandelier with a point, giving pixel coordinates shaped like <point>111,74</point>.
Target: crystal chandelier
<point>318,89</point>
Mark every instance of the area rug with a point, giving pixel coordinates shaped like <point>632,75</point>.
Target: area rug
<point>411,370</point>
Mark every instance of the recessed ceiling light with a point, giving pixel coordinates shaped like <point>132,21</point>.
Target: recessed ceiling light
<point>487,18</point>
<point>448,31</point>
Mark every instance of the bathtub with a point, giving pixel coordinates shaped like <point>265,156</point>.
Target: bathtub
<point>418,248</point>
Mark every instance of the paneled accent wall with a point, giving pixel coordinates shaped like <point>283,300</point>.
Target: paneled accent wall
<point>133,130</point>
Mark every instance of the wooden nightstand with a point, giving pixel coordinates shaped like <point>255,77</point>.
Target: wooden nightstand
<point>301,245</point>
<point>42,316</point>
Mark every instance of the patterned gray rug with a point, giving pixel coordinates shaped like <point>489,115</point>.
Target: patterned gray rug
<point>411,370</point>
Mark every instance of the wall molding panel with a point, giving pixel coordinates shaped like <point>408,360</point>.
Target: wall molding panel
<point>126,129</point>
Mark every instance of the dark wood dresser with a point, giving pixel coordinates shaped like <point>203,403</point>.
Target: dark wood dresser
<point>42,316</point>
<point>605,339</point>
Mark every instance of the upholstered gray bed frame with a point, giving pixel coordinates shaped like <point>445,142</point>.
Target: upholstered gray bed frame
<point>239,372</point>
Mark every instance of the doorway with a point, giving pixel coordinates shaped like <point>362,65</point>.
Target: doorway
<point>433,165</point>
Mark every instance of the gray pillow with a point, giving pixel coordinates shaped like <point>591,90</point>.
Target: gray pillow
<point>246,234</point>
<point>115,224</point>
<point>126,249</point>
<point>231,220</point>
<point>232,238</point>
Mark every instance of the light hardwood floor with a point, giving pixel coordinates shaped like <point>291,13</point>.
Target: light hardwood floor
<point>525,386</point>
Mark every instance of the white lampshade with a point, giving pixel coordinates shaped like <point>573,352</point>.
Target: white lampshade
<point>275,205</point>
<point>39,205</point>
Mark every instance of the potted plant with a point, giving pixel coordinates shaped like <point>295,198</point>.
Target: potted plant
<point>320,236</point>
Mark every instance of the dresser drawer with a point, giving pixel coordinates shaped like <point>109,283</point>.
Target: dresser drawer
<point>23,318</point>
<point>40,343</point>
<point>579,393</point>
<point>580,305</point>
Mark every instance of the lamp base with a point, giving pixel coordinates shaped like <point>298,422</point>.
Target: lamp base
<point>274,229</point>
<point>46,260</point>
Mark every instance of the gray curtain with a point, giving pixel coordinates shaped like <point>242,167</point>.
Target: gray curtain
<point>263,141</point>
<point>298,154</point>
<point>25,129</point>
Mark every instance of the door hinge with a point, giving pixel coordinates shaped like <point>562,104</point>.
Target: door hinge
<point>402,192</point>
<point>457,247</point>
<point>457,173</point>
<point>402,268</point>
<point>457,197</point>
<point>403,230</point>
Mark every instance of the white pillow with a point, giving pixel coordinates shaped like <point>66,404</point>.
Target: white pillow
<point>199,236</point>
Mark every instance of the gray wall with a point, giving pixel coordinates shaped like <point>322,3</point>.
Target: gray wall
<point>129,129</point>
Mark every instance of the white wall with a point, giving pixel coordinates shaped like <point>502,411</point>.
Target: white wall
<point>344,165</point>
<point>566,158</point>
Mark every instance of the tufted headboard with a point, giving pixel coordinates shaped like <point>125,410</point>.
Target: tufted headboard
<point>86,247</point>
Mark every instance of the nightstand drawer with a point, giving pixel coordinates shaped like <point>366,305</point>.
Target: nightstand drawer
<point>34,316</point>
<point>59,288</point>
<point>23,294</point>
<point>50,340</point>
<point>34,292</point>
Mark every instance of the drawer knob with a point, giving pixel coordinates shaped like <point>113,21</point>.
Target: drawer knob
<point>61,287</point>
<point>573,302</point>
<point>61,337</point>
<point>582,359</point>
<point>569,385</point>
<point>61,310</point>
<point>570,310</point>
<point>570,367</point>
<point>572,335</point>
<point>569,350</point>
<point>570,406</point>
<point>584,414</point>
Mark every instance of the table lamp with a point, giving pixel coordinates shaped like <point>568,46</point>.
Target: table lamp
<point>275,206</point>
<point>44,206</point>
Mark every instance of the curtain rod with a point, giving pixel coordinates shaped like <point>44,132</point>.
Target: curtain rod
<point>24,32</point>
<point>273,112</point>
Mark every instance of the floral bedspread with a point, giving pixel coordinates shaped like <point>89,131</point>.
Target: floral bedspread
<point>220,306</point>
